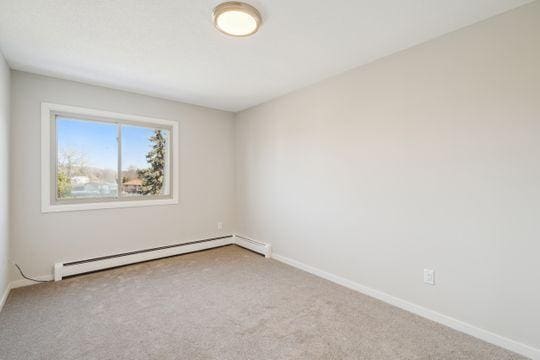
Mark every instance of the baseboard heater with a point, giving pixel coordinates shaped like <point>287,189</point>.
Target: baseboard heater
<point>62,270</point>
<point>253,245</point>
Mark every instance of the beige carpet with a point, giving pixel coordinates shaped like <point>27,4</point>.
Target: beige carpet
<point>226,303</point>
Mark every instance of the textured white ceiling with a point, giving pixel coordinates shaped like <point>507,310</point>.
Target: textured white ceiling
<point>169,48</point>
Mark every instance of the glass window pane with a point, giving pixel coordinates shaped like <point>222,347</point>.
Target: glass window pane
<point>145,154</point>
<point>87,159</point>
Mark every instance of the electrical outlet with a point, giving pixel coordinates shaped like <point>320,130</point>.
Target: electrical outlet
<point>219,225</point>
<point>429,276</point>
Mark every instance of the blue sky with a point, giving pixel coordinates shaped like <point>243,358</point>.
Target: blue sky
<point>97,141</point>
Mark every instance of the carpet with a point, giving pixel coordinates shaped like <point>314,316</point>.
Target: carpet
<point>225,303</point>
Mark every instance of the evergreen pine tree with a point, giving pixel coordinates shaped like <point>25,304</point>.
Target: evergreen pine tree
<point>152,178</point>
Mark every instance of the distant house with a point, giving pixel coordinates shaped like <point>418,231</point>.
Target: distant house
<point>133,186</point>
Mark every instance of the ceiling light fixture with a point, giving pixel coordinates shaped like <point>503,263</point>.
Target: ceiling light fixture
<point>237,18</point>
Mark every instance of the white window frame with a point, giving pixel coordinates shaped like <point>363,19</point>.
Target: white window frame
<point>49,112</point>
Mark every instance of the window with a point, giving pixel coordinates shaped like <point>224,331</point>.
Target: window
<point>94,159</point>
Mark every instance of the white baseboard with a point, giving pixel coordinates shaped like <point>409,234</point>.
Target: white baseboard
<point>455,324</point>
<point>5,296</point>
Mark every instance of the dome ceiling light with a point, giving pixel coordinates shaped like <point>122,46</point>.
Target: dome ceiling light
<point>236,18</point>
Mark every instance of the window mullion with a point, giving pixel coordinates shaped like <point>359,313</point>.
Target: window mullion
<point>119,176</point>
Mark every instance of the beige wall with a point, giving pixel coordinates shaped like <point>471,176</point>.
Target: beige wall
<point>4,175</point>
<point>206,179</point>
<point>429,158</point>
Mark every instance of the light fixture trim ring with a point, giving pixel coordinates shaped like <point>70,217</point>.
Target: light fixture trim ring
<point>239,7</point>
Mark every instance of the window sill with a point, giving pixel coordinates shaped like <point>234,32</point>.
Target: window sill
<point>48,208</point>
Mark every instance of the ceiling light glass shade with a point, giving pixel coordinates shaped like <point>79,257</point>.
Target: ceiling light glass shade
<point>236,18</point>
